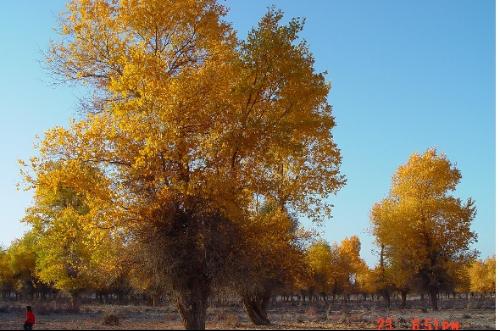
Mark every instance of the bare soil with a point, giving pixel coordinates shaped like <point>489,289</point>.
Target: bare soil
<point>470,316</point>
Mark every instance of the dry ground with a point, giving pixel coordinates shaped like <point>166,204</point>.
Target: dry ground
<point>284,316</point>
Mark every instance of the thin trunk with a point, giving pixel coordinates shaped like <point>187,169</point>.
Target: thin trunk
<point>75,304</point>
<point>387,297</point>
<point>433,294</point>
<point>403,299</point>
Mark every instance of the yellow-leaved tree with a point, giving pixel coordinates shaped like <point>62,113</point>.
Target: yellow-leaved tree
<point>21,263</point>
<point>189,127</point>
<point>350,264</point>
<point>75,248</point>
<point>6,274</point>
<point>336,269</point>
<point>319,259</point>
<point>271,259</point>
<point>482,276</point>
<point>367,281</point>
<point>422,226</point>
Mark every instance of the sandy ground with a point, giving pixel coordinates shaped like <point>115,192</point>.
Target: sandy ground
<point>283,316</point>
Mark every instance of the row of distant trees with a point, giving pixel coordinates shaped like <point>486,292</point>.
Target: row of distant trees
<point>327,272</point>
<point>339,272</point>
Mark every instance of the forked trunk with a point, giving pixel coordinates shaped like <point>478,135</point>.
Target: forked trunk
<point>256,306</point>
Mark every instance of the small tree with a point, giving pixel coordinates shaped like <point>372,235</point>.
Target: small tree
<point>350,263</point>
<point>7,282</point>
<point>319,259</point>
<point>74,251</point>
<point>482,276</point>
<point>367,282</point>
<point>22,259</point>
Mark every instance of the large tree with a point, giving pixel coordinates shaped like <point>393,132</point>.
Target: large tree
<point>422,226</point>
<point>191,127</point>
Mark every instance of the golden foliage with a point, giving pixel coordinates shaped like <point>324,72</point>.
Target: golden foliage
<point>483,276</point>
<point>336,269</point>
<point>182,107</point>
<point>71,226</point>
<point>184,115</point>
<point>424,229</point>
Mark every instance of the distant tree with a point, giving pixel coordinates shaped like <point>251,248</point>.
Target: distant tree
<point>7,282</point>
<point>336,269</point>
<point>367,281</point>
<point>491,269</point>
<point>422,226</point>
<point>22,259</point>
<point>483,276</point>
<point>319,259</point>
<point>339,281</point>
<point>75,251</point>
<point>350,263</point>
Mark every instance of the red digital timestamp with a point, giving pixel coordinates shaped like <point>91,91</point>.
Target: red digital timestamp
<point>420,324</point>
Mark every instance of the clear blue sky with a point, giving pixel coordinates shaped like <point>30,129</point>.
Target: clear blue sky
<point>406,75</point>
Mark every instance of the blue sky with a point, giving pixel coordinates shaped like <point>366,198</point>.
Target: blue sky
<point>406,75</point>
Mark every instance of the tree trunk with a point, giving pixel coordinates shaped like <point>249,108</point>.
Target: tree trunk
<point>192,306</point>
<point>255,306</point>
<point>387,297</point>
<point>403,299</point>
<point>434,299</point>
<point>75,304</point>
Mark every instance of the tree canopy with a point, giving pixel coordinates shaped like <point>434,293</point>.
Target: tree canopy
<point>187,129</point>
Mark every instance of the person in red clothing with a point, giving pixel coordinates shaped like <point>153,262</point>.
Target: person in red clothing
<point>30,319</point>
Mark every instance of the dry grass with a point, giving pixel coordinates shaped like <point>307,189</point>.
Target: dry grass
<point>284,316</point>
